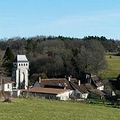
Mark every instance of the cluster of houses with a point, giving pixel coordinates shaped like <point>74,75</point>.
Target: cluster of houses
<point>54,88</point>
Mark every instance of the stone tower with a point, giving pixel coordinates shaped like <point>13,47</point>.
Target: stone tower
<point>20,72</point>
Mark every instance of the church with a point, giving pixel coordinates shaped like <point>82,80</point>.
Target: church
<point>20,72</point>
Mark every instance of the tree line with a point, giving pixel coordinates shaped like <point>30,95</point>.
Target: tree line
<point>59,56</point>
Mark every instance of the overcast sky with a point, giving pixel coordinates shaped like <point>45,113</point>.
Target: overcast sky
<point>74,18</point>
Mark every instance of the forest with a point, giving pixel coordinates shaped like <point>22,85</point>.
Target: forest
<point>59,56</point>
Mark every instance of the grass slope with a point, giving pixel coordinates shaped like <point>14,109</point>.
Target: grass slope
<point>113,67</point>
<point>34,109</point>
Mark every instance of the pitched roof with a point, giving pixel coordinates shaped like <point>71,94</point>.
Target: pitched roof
<point>97,92</point>
<point>96,81</point>
<point>21,58</point>
<point>37,84</point>
<point>63,83</point>
<point>56,83</point>
<point>45,90</point>
<point>89,87</point>
<point>80,88</point>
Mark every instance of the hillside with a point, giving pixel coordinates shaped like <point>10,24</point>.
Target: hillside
<point>113,67</point>
<point>34,109</point>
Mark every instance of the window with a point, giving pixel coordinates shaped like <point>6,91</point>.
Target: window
<point>19,64</point>
<point>8,86</point>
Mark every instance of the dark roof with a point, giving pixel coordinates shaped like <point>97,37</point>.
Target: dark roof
<point>96,81</point>
<point>45,90</point>
<point>89,86</point>
<point>37,84</point>
<point>56,83</point>
<point>63,83</point>
<point>80,88</point>
<point>97,92</point>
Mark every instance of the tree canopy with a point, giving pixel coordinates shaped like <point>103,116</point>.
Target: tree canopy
<point>58,56</point>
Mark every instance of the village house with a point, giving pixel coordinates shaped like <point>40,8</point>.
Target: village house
<point>66,89</point>
<point>6,85</point>
<point>96,82</point>
<point>49,93</point>
<point>93,80</point>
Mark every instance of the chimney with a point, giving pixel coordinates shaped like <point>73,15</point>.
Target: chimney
<point>40,79</point>
<point>79,82</point>
<point>65,86</point>
<point>69,78</point>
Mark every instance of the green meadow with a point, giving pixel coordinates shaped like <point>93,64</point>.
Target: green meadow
<point>113,67</point>
<point>37,109</point>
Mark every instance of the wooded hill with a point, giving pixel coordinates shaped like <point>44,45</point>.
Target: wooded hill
<point>60,56</point>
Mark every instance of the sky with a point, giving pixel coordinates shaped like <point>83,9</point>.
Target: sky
<point>69,18</point>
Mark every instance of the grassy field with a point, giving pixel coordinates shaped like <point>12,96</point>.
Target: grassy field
<point>113,67</point>
<point>34,109</point>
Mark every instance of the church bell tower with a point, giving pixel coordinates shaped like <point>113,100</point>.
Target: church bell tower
<point>20,72</point>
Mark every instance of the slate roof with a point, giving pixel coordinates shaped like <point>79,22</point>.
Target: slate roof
<point>21,58</point>
<point>97,92</point>
<point>80,88</point>
<point>96,81</point>
<point>56,83</point>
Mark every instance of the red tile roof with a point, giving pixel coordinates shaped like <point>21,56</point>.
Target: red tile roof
<point>45,90</point>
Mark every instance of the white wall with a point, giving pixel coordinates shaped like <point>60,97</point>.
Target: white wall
<point>101,88</point>
<point>21,69</point>
<point>84,95</point>
<point>8,87</point>
<point>65,95</point>
<point>81,95</point>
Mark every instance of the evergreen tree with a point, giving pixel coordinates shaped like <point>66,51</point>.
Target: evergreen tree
<point>8,61</point>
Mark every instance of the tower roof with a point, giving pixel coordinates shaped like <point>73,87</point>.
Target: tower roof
<point>21,58</point>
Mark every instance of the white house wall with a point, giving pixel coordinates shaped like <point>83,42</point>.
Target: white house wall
<point>80,95</point>
<point>65,95</point>
<point>84,95</point>
<point>8,87</point>
<point>100,88</point>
